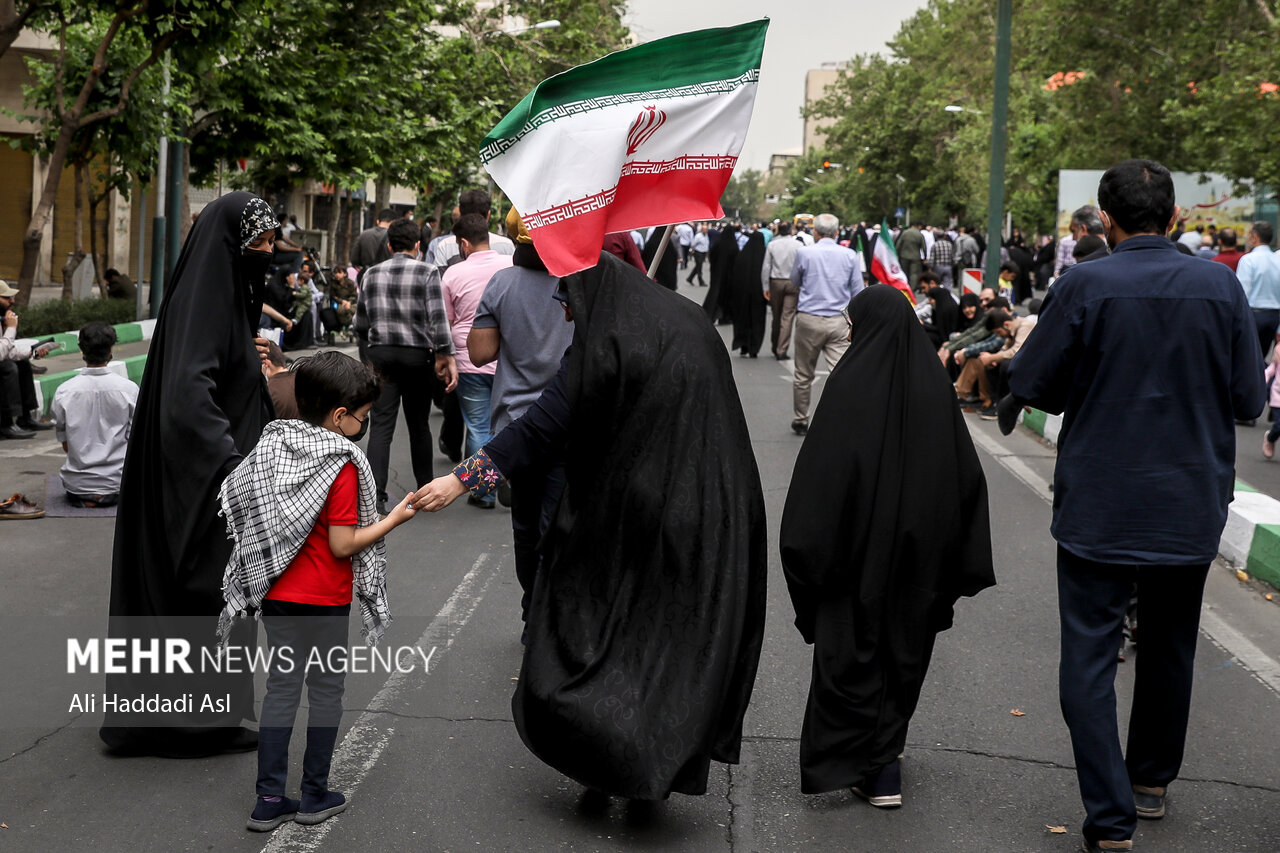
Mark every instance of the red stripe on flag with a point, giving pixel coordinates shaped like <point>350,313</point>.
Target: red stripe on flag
<point>573,242</point>
<point>883,276</point>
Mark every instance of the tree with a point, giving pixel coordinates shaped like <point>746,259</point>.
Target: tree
<point>743,197</point>
<point>1086,91</point>
<point>112,36</point>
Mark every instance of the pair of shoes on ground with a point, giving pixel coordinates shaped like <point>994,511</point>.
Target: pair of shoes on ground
<point>312,809</point>
<point>15,432</point>
<point>18,507</point>
<point>800,427</point>
<point>884,789</point>
<point>1149,803</point>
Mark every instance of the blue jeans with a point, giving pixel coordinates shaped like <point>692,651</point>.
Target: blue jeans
<point>1092,599</point>
<point>474,391</point>
<point>300,628</point>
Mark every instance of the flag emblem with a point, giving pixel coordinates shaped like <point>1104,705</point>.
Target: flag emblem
<point>644,127</point>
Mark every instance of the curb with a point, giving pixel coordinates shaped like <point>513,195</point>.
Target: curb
<point>130,368</point>
<point>1251,539</point>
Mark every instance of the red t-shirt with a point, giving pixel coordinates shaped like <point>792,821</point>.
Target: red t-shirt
<point>316,576</point>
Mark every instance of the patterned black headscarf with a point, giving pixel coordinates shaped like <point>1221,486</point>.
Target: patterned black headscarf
<point>256,218</point>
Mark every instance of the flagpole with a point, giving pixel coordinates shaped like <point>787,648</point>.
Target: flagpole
<point>662,248</point>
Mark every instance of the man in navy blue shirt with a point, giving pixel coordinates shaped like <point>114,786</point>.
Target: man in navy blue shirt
<point>1150,356</point>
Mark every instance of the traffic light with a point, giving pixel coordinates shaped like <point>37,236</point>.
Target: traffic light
<point>826,164</point>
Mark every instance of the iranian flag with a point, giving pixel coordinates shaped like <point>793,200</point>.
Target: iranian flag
<point>885,266</point>
<point>646,136</point>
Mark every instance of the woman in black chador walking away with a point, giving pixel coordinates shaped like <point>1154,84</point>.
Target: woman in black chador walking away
<point>718,303</point>
<point>201,408</point>
<point>749,305</point>
<point>885,526</point>
<point>647,615</point>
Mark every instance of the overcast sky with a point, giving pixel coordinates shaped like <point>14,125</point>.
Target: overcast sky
<point>801,36</point>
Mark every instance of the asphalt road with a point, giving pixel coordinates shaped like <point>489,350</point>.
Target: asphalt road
<point>432,762</point>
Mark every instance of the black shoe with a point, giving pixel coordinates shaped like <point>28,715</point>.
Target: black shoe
<point>988,413</point>
<point>34,426</point>
<point>316,808</point>
<point>800,427</point>
<point>14,431</point>
<point>382,507</point>
<point>1149,802</point>
<point>454,456</point>
<point>267,816</point>
<point>480,502</point>
<point>39,368</point>
<point>1246,422</point>
<point>504,493</point>
<point>783,357</point>
<point>884,790</point>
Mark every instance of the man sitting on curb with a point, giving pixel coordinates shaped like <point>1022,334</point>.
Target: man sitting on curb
<point>94,412</point>
<point>17,384</point>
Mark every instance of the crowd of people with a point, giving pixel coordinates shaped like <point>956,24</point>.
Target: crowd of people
<point>572,396</point>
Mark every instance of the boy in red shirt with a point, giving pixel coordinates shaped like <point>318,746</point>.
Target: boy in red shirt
<point>301,509</point>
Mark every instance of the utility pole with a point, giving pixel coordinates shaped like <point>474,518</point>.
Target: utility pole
<point>999,120</point>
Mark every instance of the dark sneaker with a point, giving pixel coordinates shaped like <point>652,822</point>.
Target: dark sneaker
<point>800,427</point>
<point>1149,802</point>
<point>988,413</point>
<point>316,808</point>
<point>481,503</point>
<point>884,790</point>
<point>1088,846</point>
<point>267,816</point>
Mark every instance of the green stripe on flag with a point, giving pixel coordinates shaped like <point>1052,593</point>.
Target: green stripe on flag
<point>688,59</point>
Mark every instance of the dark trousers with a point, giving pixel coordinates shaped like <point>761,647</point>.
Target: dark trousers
<point>1266,322</point>
<point>451,429</point>
<point>698,259</point>
<point>1092,599</point>
<point>408,374</point>
<point>534,495</point>
<point>17,391</point>
<point>294,630</point>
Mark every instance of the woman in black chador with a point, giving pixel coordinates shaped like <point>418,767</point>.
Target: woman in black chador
<point>718,303</point>
<point>647,615</point>
<point>749,305</point>
<point>201,408</point>
<point>885,526</point>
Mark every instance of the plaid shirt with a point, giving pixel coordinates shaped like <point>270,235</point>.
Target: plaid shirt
<point>403,305</point>
<point>991,344</point>
<point>943,253</point>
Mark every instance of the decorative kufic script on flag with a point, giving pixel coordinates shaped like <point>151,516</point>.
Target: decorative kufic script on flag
<point>643,137</point>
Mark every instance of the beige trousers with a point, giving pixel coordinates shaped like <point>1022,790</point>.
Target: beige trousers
<point>782,303</point>
<point>815,336</point>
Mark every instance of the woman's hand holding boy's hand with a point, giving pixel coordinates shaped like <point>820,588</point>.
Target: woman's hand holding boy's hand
<point>439,493</point>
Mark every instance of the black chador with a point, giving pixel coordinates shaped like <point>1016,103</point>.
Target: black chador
<point>646,619</point>
<point>885,526</point>
<point>201,408</point>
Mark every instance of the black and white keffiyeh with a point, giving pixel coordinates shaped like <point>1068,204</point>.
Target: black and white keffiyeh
<point>271,502</point>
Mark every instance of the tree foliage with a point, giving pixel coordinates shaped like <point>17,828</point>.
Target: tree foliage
<point>1176,81</point>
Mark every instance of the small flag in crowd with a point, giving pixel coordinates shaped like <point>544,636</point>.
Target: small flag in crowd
<point>645,136</point>
<point>885,266</point>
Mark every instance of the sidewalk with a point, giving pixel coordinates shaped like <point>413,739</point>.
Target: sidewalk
<point>1251,540</point>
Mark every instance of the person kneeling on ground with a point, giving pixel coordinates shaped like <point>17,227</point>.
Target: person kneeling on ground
<point>94,412</point>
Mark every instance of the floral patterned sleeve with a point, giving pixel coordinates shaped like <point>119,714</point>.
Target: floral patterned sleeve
<point>479,474</point>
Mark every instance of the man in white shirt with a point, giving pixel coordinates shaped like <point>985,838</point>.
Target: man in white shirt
<point>471,201</point>
<point>94,412</point>
<point>699,245</point>
<point>1259,274</point>
<point>779,292</point>
<point>684,241</point>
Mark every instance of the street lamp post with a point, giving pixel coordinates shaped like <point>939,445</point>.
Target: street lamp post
<point>999,118</point>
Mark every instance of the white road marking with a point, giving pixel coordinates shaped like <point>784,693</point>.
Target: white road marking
<point>364,743</point>
<point>1258,663</point>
